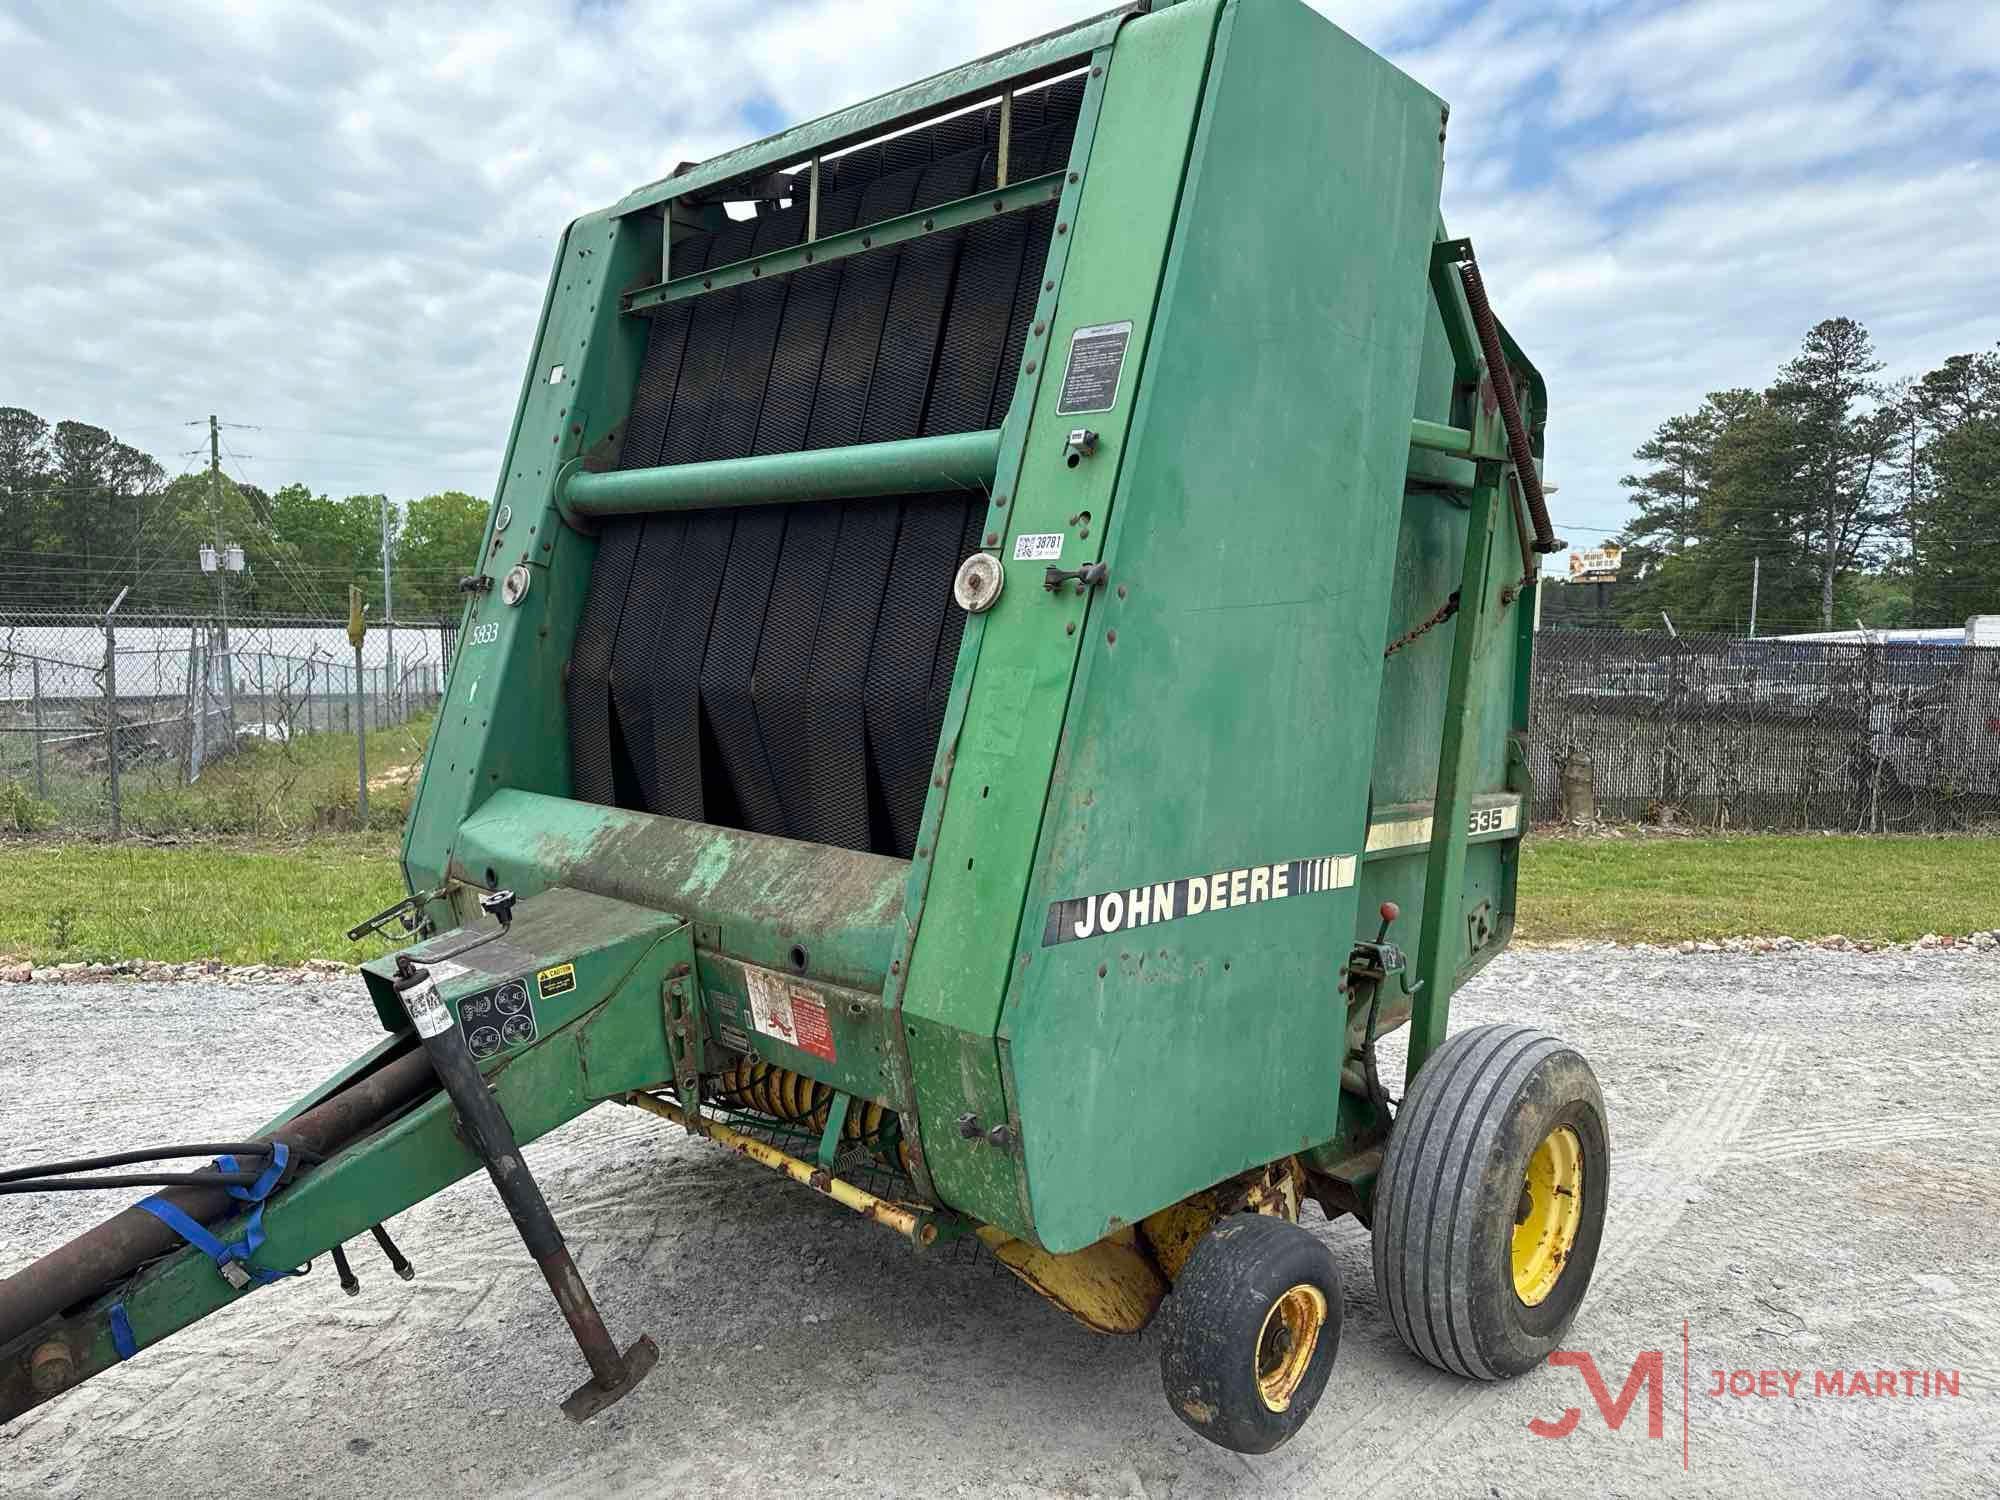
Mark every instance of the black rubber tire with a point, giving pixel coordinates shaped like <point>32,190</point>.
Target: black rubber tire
<point>1446,1199</point>
<point>1214,1321</point>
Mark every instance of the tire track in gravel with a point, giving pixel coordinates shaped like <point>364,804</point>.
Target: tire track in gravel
<point>1699,1139</point>
<point>1870,1134</point>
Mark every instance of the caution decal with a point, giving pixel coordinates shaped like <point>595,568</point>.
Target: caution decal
<point>1174,900</point>
<point>789,1010</point>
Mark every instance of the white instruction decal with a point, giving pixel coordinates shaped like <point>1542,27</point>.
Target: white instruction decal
<point>427,1008</point>
<point>1038,546</point>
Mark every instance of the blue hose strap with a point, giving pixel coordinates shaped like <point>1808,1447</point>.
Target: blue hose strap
<point>253,1228</point>
<point>121,1332</point>
<point>259,1190</point>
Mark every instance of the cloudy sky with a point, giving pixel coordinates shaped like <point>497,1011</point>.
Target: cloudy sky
<point>331,223</point>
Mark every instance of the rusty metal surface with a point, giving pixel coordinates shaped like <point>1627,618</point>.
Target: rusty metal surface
<point>1112,1286</point>
<point>751,896</point>
<point>912,1223</point>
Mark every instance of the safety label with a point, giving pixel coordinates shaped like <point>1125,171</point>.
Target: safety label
<point>1096,360</point>
<point>1038,546</point>
<point>1190,896</point>
<point>427,1008</point>
<point>498,1018</point>
<point>790,1011</point>
<point>559,980</point>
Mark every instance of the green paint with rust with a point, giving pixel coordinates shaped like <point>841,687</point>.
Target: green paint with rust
<point>751,896</point>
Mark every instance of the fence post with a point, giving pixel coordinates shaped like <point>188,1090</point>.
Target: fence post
<point>309,695</point>
<point>361,740</point>
<point>356,632</point>
<point>111,705</point>
<point>41,771</point>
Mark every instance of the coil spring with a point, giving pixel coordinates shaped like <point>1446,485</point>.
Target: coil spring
<point>750,1083</point>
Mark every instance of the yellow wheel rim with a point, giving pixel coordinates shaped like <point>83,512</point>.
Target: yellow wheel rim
<point>1546,1219</point>
<point>1286,1342</point>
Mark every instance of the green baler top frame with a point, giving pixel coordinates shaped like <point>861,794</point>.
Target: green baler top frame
<point>989,596</point>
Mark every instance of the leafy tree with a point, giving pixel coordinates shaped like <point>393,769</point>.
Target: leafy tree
<point>438,544</point>
<point>1673,499</point>
<point>1842,433</point>
<point>1958,564</point>
<point>24,474</point>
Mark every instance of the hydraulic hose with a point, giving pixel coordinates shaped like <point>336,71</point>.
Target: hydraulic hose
<point>1510,409</point>
<point>150,1153</point>
<point>101,1257</point>
<point>129,1180</point>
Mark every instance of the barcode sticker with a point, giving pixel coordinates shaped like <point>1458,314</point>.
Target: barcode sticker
<point>1038,546</point>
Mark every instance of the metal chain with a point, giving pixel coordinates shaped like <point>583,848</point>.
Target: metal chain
<point>1437,617</point>
<point>1449,608</point>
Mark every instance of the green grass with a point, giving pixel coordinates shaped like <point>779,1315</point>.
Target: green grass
<point>1657,889</point>
<point>267,791</point>
<point>64,903</point>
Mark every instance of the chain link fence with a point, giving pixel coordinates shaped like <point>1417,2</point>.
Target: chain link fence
<point>95,710</point>
<point>1720,732</point>
<point>1705,731</point>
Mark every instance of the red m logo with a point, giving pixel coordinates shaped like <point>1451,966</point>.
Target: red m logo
<point>1648,1370</point>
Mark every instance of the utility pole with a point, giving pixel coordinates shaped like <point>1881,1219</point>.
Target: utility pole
<point>1756,577</point>
<point>221,572</point>
<point>388,607</point>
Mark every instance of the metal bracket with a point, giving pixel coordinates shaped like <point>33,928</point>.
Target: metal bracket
<point>1091,575</point>
<point>407,910</point>
<point>836,1122</point>
<point>681,1001</point>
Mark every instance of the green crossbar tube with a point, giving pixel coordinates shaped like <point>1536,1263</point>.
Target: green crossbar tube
<point>915,466</point>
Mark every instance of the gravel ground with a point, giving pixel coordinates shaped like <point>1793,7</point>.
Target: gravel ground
<point>1804,1176</point>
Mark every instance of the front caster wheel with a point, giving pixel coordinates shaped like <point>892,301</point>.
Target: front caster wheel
<point>1251,1331</point>
<point>1490,1202</point>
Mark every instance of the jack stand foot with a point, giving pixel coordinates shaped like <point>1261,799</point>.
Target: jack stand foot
<point>590,1398</point>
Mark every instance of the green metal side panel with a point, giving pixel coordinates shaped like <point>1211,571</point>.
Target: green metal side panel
<point>1114,229</point>
<point>1415,699</point>
<point>1223,718</point>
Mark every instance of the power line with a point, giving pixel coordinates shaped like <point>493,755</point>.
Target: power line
<point>305,586</point>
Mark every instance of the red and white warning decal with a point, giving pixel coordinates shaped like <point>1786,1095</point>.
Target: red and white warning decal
<point>790,1010</point>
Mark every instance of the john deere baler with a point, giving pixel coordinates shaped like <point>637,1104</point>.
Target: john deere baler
<point>995,675</point>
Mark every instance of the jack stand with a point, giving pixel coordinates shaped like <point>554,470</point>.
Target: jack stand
<point>490,1135</point>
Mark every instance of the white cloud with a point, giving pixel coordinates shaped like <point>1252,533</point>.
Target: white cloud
<point>333,220</point>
